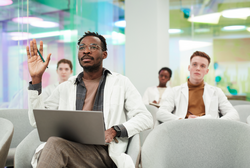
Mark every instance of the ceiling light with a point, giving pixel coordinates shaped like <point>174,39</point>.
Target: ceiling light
<point>212,18</point>
<point>174,31</point>
<point>45,35</point>
<point>26,19</point>
<point>234,28</point>
<point>18,34</point>
<point>121,23</point>
<point>44,24</point>
<point>5,3</point>
<point>242,13</point>
<point>202,30</point>
<point>190,45</point>
<point>117,38</point>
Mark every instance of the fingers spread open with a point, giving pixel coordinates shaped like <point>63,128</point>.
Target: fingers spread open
<point>28,51</point>
<point>35,46</point>
<point>41,47</point>
<point>31,48</point>
<point>47,60</point>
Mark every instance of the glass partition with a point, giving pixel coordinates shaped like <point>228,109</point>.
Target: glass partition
<point>221,28</point>
<point>59,24</point>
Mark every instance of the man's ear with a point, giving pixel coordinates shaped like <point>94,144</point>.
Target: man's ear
<point>71,71</point>
<point>207,71</point>
<point>188,67</point>
<point>104,55</point>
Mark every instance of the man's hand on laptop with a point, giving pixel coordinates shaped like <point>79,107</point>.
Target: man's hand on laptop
<point>109,135</point>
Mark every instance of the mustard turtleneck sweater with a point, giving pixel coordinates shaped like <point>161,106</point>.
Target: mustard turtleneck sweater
<point>196,105</point>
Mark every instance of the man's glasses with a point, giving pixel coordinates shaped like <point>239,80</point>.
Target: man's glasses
<point>92,47</point>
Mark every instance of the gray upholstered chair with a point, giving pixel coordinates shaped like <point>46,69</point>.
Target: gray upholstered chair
<point>27,147</point>
<point>134,149</point>
<point>22,127</point>
<point>197,143</point>
<point>239,102</point>
<point>6,133</point>
<point>152,110</point>
<point>248,119</point>
<point>244,112</point>
<point>144,134</point>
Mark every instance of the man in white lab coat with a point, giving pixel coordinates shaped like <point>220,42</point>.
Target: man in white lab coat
<point>195,98</point>
<point>154,94</point>
<point>98,89</point>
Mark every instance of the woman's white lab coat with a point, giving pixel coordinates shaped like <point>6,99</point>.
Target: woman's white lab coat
<point>151,94</point>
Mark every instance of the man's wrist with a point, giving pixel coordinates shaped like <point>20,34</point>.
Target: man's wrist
<point>117,130</point>
<point>36,80</point>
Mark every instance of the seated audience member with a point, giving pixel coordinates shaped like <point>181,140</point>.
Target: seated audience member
<point>97,89</point>
<point>196,98</point>
<point>64,69</point>
<point>153,94</point>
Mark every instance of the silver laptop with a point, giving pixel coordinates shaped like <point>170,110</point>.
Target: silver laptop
<point>86,127</point>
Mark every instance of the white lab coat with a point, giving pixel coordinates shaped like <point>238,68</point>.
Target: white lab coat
<point>49,89</point>
<point>151,94</point>
<point>176,101</point>
<point>122,105</point>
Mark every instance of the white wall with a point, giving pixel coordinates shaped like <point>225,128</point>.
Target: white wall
<point>147,41</point>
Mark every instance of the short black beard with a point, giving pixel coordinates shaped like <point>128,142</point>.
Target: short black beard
<point>93,68</point>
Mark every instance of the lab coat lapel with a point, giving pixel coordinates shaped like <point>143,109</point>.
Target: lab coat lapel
<point>110,80</point>
<point>207,96</point>
<point>73,97</point>
<point>183,100</point>
<point>184,90</point>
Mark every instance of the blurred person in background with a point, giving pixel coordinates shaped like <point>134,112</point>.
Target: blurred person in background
<point>196,98</point>
<point>154,94</point>
<point>64,69</point>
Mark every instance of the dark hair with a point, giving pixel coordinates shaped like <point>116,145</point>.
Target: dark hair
<point>66,61</point>
<point>200,54</point>
<point>166,69</point>
<point>103,40</point>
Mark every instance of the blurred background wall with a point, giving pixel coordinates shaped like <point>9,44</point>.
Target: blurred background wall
<point>221,28</point>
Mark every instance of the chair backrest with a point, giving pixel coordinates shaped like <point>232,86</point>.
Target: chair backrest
<point>152,110</point>
<point>20,120</point>
<point>239,102</point>
<point>244,112</point>
<point>248,119</point>
<point>134,149</point>
<point>26,149</point>
<point>6,133</point>
<point>197,143</point>
<point>144,134</point>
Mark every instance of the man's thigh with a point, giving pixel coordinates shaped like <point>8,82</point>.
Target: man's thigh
<point>71,154</point>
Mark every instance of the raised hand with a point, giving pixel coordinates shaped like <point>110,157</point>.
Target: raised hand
<point>35,63</point>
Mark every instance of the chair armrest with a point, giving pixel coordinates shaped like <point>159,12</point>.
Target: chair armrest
<point>134,149</point>
<point>248,119</point>
<point>26,149</point>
